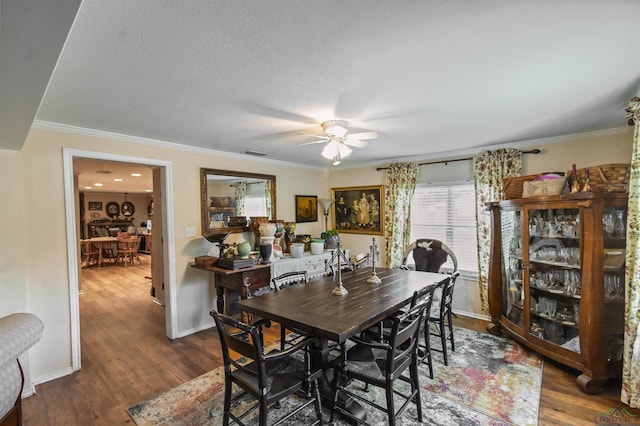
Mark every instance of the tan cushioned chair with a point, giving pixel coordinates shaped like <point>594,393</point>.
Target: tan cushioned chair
<point>18,332</point>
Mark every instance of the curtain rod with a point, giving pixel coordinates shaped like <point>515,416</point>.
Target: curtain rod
<point>445,162</point>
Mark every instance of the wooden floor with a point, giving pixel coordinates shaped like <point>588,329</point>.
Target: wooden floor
<point>126,358</point>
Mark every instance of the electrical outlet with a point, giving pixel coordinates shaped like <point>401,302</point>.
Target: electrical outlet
<point>190,231</point>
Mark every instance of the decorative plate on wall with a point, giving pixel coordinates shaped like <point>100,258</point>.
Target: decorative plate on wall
<point>128,209</point>
<point>113,209</point>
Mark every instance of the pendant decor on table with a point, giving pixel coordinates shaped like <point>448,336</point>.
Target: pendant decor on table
<point>339,290</point>
<point>375,254</point>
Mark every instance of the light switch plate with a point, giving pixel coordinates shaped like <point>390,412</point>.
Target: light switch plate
<point>190,231</point>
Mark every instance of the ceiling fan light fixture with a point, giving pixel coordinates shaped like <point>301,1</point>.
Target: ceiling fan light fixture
<point>344,150</point>
<point>337,128</point>
<point>330,150</point>
<point>336,150</point>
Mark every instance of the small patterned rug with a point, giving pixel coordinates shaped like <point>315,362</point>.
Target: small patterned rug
<point>489,381</point>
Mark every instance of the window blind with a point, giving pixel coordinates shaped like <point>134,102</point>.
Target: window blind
<point>446,212</point>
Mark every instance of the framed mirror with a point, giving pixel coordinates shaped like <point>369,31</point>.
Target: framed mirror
<point>227,196</point>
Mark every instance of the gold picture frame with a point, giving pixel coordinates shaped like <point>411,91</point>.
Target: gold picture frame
<point>359,209</point>
<point>306,208</point>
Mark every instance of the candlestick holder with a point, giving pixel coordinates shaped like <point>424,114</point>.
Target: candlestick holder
<point>339,289</point>
<point>373,278</point>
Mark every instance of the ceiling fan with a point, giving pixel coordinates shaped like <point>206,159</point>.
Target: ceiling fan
<point>338,138</point>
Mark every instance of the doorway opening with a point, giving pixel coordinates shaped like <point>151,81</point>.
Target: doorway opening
<point>163,248</point>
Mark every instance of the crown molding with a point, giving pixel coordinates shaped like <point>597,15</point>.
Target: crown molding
<point>57,127</point>
<point>442,155</point>
<point>521,144</point>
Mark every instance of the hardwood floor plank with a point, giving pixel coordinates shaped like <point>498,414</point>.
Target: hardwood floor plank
<point>127,358</point>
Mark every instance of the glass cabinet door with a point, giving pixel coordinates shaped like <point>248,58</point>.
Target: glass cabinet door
<point>614,228</point>
<point>512,281</point>
<point>554,275</point>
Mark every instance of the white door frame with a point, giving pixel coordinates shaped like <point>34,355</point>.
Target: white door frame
<point>168,246</point>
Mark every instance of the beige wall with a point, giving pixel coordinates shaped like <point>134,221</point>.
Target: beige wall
<point>33,254</point>
<point>38,269</point>
<point>140,202</point>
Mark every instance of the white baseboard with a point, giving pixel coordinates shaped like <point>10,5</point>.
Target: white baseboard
<point>472,315</point>
<point>190,331</point>
<point>51,376</point>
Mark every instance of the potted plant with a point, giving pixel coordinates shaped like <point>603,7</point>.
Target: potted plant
<point>331,238</point>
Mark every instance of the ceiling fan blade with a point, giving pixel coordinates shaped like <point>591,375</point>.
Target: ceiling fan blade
<point>314,142</point>
<point>323,137</point>
<point>355,142</point>
<point>363,135</point>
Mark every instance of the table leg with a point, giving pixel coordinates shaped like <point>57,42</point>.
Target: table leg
<point>320,358</point>
<point>220,299</point>
<point>100,260</point>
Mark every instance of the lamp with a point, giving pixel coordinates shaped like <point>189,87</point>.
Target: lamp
<point>326,205</point>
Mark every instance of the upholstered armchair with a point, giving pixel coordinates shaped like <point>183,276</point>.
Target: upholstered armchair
<point>18,332</point>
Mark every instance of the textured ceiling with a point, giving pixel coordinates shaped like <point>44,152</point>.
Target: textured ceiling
<point>433,78</point>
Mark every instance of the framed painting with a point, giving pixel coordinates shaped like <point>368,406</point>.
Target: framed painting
<point>359,209</point>
<point>128,208</point>
<point>306,208</point>
<point>95,205</point>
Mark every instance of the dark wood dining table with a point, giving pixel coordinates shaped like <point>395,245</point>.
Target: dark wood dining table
<point>315,310</point>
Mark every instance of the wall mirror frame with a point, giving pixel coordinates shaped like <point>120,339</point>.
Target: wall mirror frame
<point>227,177</point>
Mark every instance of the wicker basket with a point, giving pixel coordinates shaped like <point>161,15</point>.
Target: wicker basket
<point>512,186</point>
<point>605,177</point>
<point>543,188</point>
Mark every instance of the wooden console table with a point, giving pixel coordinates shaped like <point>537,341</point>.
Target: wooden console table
<point>230,283</point>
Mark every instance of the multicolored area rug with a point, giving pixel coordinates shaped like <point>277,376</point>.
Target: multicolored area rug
<point>489,381</point>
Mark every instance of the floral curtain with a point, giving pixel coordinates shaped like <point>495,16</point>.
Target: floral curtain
<point>630,393</point>
<point>267,198</point>
<point>490,168</point>
<point>399,187</point>
<point>240,193</point>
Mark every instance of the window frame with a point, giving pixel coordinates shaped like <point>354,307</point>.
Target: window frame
<point>466,273</point>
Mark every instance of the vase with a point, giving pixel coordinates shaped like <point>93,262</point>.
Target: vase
<point>297,249</point>
<point>290,227</point>
<point>244,248</point>
<point>317,247</point>
<point>256,221</point>
<point>265,252</point>
<point>267,229</point>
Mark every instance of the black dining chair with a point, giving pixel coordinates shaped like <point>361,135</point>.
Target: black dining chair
<point>428,255</point>
<point>382,330</point>
<point>380,364</point>
<point>440,318</point>
<point>283,281</point>
<point>268,378</point>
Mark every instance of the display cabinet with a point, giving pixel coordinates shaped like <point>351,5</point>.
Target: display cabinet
<point>556,279</point>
